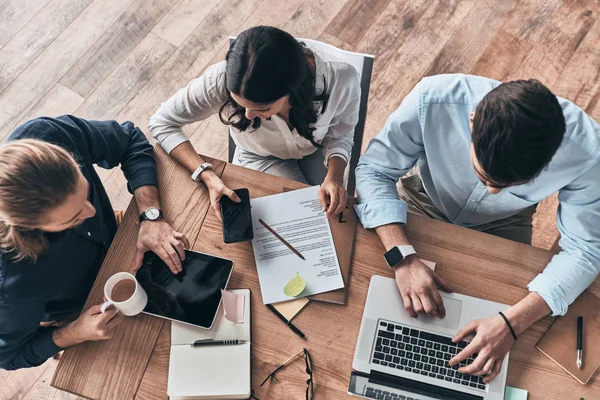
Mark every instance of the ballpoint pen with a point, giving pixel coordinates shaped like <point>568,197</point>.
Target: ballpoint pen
<point>285,320</point>
<point>579,341</point>
<point>211,342</point>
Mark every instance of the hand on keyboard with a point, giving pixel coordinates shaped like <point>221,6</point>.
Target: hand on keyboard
<point>417,284</point>
<point>490,345</point>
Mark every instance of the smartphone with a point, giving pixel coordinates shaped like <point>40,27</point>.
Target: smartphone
<point>237,218</point>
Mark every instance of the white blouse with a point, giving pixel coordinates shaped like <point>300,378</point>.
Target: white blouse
<point>204,96</point>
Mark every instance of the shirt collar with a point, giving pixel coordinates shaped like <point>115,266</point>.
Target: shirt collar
<point>319,74</point>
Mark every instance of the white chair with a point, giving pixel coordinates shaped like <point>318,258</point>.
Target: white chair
<point>363,63</point>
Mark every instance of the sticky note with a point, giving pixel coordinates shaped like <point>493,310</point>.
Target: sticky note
<point>233,305</point>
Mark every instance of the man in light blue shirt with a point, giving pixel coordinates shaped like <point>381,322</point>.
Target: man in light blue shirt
<point>486,154</point>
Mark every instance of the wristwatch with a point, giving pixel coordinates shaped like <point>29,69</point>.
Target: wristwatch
<point>151,214</point>
<point>201,169</point>
<point>398,254</point>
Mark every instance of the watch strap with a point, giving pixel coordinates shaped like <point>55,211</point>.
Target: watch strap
<point>205,166</point>
<point>406,250</point>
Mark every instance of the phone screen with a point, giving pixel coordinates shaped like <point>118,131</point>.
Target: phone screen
<point>237,218</point>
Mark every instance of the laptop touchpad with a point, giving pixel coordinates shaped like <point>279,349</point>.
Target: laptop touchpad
<point>452,318</point>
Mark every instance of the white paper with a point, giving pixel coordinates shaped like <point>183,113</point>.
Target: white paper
<point>296,216</point>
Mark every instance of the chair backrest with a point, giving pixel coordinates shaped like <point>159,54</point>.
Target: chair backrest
<point>363,63</point>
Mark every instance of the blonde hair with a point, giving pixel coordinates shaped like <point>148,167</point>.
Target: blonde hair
<point>35,177</point>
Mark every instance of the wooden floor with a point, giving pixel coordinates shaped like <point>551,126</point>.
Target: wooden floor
<point>118,59</point>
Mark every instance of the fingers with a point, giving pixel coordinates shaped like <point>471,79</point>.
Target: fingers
<point>464,332</point>
<point>417,305</point>
<point>323,199</point>
<point>108,314</point>
<point>408,306</point>
<point>439,303</point>
<point>333,203</point>
<point>428,306</point>
<point>464,354</point>
<point>442,284</point>
<point>116,320</point>
<point>343,202</point>
<point>183,238</point>
<point>166,257</point>
<point>217,208</point>
<point>495,371</point>
<point>476,367</point>
<point>94,309</point>
<point>175,265</point>
<point>232,195</point>
<point>487,368</point>
<point>139,258</point>
<point>179,248</point>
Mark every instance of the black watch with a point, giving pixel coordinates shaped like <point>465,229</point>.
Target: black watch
<point>151,214</point>
<point>398,254</point>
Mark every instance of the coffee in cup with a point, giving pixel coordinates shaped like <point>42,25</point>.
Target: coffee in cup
<point>124,293</point>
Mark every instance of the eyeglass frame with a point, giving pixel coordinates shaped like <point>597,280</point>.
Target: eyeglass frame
<point>309,370</point>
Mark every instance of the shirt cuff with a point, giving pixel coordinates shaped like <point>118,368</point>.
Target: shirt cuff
<point>551,293</point>
<point>173,140</point>
<point>381,212</point>
<point>337,152</point>
<point>142,176</point>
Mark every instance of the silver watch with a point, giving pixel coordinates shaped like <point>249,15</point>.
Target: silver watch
<point>204,167</point>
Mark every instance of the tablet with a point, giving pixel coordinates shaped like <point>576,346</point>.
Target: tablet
<point>193,296</point>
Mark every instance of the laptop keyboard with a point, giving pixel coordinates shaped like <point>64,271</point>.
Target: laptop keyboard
<point>379,394</point>
<point>423,353</point>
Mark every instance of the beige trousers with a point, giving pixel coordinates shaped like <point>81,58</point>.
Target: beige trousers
<point>517,227</point>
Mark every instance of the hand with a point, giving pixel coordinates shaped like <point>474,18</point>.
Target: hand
<point>217,190</point>
<point>159,237</point>
<point>491,343</point>
<point>333,196</point>
<point>417,284</point>
<point>91,325</point>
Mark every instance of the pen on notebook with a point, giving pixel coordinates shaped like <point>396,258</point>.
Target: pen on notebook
<point>281,239</point>
<point>284,319</point>
<point>579,341</point>
<point>211,342</point>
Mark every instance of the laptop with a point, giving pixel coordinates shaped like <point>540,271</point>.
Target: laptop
<point>398,357</point>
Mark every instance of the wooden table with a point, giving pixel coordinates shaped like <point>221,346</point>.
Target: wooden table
<point>134,364</point>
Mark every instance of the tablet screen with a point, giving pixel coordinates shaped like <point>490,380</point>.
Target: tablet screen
<point>192,296</point>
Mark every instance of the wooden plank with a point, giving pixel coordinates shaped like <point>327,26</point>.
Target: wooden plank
<point>58,101</point>
<point>34,37</point>
<point>189,60</point>
<point>154,383</point>
<point>412,58</point>
<point>560,37</point>
<point>470,39</point>
<point>122,85</point>
<point>503,55</point>
<point>124,358</point>
<point>18,99</point>
<point>528,19</point>
<point>355,19</point>
<point>182,19</point>
<point>312,17</point>
<point>15,384</point>
<point>41,388</point>
<point>118,41</point>
<point>13,16</point>
<point>472,263</point>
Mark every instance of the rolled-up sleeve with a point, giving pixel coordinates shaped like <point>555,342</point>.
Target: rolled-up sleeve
<point>339,139</point>
<point>572,270</point>
<point>200,99</point>
<point>389,156</point>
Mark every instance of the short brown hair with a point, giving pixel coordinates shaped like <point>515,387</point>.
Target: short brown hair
<point>35,177</point>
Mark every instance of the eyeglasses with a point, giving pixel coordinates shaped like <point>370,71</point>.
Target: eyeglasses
<point>310,390</point>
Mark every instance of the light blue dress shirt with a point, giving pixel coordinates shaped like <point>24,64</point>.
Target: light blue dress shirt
<point>431,129</point>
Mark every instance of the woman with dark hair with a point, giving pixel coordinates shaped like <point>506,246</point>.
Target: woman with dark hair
<point>282,102</point>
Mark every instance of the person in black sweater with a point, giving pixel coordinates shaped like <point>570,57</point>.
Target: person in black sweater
<point>56,225</point>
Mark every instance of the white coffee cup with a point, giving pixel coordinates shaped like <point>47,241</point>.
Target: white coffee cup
<point>134,304</point>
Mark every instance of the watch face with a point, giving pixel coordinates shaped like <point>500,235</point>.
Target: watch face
<point>152,213</point>
<point>393,257</point>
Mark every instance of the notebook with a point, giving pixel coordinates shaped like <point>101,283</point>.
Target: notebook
<point>511,393</point>
<point>559,343</point>
<point>215,372</point>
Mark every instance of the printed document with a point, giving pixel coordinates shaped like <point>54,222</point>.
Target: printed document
<point>296,216</point>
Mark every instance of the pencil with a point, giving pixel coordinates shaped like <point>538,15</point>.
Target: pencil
<point>281,239</point>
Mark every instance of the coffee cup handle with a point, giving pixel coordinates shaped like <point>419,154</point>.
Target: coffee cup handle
<point>104,306</point>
